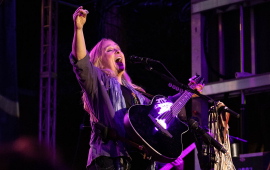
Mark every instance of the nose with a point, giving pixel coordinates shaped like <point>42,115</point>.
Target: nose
<point>116,51</point>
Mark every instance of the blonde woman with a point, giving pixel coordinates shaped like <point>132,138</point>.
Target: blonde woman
<point>107,94</point>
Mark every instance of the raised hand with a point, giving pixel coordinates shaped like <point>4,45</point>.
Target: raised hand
<point>78,44</point>
<point>79,17</point>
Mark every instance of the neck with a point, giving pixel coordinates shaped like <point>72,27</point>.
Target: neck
<point>119,77</point>
<point>119,80</point>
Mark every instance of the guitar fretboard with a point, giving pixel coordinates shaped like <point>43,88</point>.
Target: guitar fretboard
<point>180,102</point>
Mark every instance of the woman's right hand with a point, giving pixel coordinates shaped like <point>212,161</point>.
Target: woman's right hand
<point>79,18</point>
<point>178,164</point>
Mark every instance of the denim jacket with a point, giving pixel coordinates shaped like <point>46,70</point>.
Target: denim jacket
<point>107,104</point>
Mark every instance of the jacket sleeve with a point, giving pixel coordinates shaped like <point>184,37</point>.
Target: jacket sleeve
<point>86,73</point>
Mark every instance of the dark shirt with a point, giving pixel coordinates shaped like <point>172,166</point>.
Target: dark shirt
<point>129,96</point>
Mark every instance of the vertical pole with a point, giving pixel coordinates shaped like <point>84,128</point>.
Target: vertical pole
<point>55,71</point>
<point>252,36</point>
<point>41,80</point>
<point>48,69</point>
<point>241,40</point>
<point>199,66</point>
<point>242,65</point>
<point>221,46</point>
<point>49,76</point>
<point>243,148</point>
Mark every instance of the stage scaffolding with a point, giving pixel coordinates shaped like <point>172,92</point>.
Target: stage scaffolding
<point>244,83</point>
<point>48,72</point>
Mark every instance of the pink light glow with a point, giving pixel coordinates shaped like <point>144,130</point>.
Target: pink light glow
<point>162,123</point>
<point>164,107</point>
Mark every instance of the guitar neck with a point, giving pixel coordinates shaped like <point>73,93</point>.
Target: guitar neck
<point>184,153</point>
<point>180,102</point>
<point>187,150</point>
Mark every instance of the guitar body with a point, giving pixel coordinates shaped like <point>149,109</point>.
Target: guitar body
<point>163,144</point>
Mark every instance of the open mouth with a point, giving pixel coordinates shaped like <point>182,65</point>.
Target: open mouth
<point>119,63</point>
<point>118,60</point>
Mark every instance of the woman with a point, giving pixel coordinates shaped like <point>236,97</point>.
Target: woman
<point>107,94</point>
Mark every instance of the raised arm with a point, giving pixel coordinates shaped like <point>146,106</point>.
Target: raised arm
<point>86,73</point>
<point>78,45</point>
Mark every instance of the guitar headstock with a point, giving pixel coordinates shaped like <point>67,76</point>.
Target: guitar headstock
<point>196,80</point>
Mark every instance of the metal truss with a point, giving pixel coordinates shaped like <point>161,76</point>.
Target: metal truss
<point>48,70</point>
<point>244,83</point>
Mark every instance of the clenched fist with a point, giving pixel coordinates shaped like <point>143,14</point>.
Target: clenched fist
<point>79,17</point>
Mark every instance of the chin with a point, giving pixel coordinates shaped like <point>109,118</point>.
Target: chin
<point>121,71</point>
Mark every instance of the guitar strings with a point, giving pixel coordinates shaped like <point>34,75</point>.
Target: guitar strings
<point>168,116</point>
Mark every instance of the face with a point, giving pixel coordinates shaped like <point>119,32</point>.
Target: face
<point>113,58</point>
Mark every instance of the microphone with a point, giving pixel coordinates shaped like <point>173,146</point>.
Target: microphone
<point>135,59</point>
<point>205,136</point>
<point>226,109</point>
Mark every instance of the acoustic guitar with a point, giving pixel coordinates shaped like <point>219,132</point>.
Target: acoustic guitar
<point>157,127</point>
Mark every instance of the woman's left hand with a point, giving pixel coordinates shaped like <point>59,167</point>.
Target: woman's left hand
<point>199,88</point>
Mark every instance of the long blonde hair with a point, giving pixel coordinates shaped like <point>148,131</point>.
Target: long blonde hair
<point>95,57</point>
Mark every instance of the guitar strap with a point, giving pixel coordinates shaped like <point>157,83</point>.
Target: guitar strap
<point>149,96</point>
<point>107,134</point>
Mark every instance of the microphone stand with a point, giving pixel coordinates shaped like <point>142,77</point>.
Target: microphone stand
<point>183,86</point>
<point>204,142</point>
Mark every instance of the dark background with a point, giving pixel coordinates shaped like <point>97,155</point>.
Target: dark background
<point>161,32</point>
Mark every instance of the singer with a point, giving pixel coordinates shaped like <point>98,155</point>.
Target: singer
<point>107,94</point>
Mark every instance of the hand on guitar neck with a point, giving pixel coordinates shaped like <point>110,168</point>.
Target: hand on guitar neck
<point>179,163</point>
<point>198,87</point>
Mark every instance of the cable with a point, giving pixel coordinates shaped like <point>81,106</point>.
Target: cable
<point>168,71</point>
